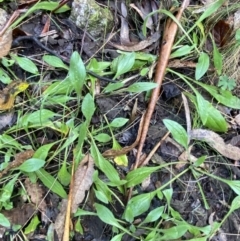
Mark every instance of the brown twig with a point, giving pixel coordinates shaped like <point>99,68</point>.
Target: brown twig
<point>167,42</point>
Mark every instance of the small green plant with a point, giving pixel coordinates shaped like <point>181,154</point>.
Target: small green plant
<point>226,83</point>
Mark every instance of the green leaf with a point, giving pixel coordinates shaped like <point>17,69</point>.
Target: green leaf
<point>26,64</point>
<point>154,215</point>
<point>217,59</point>
<point>113,86</point>
<point>4,221</point>
<point>123,64</point>
<point>226,83</point>
<point>50,182</point>
<point>77,72</point>
<point>39,116</point>
<point>107,217</point>
<point>88,107</point>
<point>31,165</point>
<point>117,237</point>
<point>42,151</point>
<point>136,176</point>
<point>59,87</point>
<point>32,225</point>
<point>235,204</point>
<point>138,205</point>
<point>210,9</point>
<point>121,160</point>
<point>119,122</point>
<point>237,36</point>
<point>178,132</point>
<point>63,175</point>
<point>174,232</point>
<point>38,6</point>
<point>105,166</point>
<point>202,66</point>
<point>102,137</point>
<point>182,51</point>
<point>199,161</point>
<point>210,116</point>
<point>55,62</point>
<point>140,87</point>
<point>7,190</point>
<point>225,97</point>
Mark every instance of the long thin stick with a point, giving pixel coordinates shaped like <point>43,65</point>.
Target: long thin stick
<point>167,42</point>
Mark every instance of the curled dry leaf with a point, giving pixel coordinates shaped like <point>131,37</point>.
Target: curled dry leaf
<point>217,143</point>
<point>139,46</point>
<point>83,179</point>
<point>6,37</point>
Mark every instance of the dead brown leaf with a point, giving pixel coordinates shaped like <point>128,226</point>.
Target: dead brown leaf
<point>19,159</point>
<point>139,46</point>
<point>83,179</point>
<point>6,37</point>
<point>60,220</point>
<point>36,194</point>
<point>217,143</point>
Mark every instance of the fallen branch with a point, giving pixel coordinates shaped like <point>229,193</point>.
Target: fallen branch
<point>167,42</point>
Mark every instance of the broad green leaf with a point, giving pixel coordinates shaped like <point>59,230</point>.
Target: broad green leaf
<point>81,212</point>
<point>138,205</point>
<point>31,165</point>
<point>182,51</point>
<point>102,137</point>
<point>32,225</point>
<point>38,6</point>
<point>97,66</point>
<point>136,176</point>
<point>174,232</point>
<point>119,122</point>
<point>55,62</point>
<point>59,87</point>
<point>154,215</point>
<point>77,72</point>
<point>199,161</point>
<point>117,237</point>
<point>88,107</point>
<point>63,175</point>
<point>217,59</point>
<point>210,8</point>
<point>4,221</point>
<point>39,116</point>
<point>235,204</point>
<point>50,182</point>
<point>123,64</point>
<point>107,217</point>
<point>209,115</point>
<point>6,140</point>
<point>178,132</point>
<point>105,166</point>
<point>202,66</point>
<point>140,87</point>
<point>225,97</point>
<point>5,79</point>
<point>42,151</point>
<point>113,86</point>
<point>6,191</point>
<point>26,64</point>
